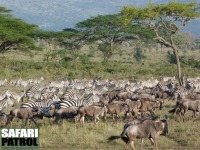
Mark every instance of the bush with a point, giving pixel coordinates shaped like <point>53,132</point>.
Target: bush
<point>139,55</point>
<point>84,58</point>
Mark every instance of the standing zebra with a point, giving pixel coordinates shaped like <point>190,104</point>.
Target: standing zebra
<point>33,90</point>
<point>180,92</point>
<point>40,103</point>
<point>16,96</point>
<point>165,86</point>
<point>4,94</point>
<point>68,94</point>
<point>85,101</point>
<point>5,102</point>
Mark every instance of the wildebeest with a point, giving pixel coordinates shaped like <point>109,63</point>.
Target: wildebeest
<point>65,113</point>
<point>92,111</point>
<point>145,129</point>
<point>26,113</point>
<point>125,95</point>
<point>184,105</point>
<point>5,119</point>
<point>163,95</point>
<point>117,109</point>
<point>150,106</point>
<point>134,106</point>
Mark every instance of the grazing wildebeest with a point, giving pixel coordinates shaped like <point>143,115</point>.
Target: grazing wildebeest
<point>145,129</point>
<point>92,111</point>
<point>184,105</point>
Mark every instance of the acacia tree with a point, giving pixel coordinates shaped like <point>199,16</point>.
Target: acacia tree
<point>169,17</point>
<point>108,29</point>
<point>15,32</point>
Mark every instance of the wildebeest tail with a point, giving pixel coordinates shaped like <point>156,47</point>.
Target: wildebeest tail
<point>125,139</point>
<point>175,108</point>
<point>113,138</point>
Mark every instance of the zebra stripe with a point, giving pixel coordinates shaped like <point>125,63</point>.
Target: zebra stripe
<point>40,104</point>
<point>180,92</point>
<point>5,102</point>
<point>68,95</point>
<point>31,92</point>
<point>165,86</point>
<point>85,101</point>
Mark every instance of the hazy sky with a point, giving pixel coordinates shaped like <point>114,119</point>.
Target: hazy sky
<point>59,14</point>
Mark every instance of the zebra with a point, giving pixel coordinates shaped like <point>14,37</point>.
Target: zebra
<point>16,96</point>
<point>78,85</point>
<point>69,94</point>
<point>31,92</point>
<point>180,92</point>
<point>40,103</point>
<point>165,86</point>
<point>5,102</point>
<point>193,85</point>
<point>100,89</point>
<point>2,82</point>
<point>85,101</point>
<point>4,94</point>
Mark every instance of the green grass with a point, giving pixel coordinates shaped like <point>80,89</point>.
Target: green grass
<point>70,135</point>
<point>124,66</point>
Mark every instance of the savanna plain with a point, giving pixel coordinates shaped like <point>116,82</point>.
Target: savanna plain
<point>70,135</point>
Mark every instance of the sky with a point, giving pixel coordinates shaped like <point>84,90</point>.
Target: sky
<point>56,15</point>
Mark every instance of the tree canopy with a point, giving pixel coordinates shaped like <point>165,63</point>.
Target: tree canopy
<point>14,32</point>
<point>109,29</point>
<point>165,20</point>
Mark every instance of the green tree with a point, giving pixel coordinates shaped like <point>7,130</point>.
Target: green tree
<point>184,40</point>
<point>109,31</point>
<point>169,17</point>
<point>70,42</point>
<point>15,33</point>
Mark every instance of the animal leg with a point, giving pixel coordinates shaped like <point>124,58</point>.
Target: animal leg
<point>152,113</point>
<point>194,115</point>
<point>141,143</point>
<point>26,121</point>
<point>34,122</point>
<point>97,119</point>
<point>127,144</point>
<point>183,116</point>
<point>132,145</point>
<point>82,120</point>
<point>113,117</point>
<point>152,143</point>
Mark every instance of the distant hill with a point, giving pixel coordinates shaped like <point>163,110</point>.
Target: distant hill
<point>56,15</point>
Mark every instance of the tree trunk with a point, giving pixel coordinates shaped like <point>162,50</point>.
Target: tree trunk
<point>180,79</point>
<point>5,46</point>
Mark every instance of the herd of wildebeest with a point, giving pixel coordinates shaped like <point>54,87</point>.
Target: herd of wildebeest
<point>136,101</point>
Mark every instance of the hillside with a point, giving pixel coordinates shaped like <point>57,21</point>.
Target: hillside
<point>61,14</point>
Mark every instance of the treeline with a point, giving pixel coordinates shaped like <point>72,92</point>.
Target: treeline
<point>104,34</point>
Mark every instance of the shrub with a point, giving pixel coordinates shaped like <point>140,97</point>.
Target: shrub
<point>139,55</point>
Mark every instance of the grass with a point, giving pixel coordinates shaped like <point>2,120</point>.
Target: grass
<point>70,135</point>
<point>120,66</point>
